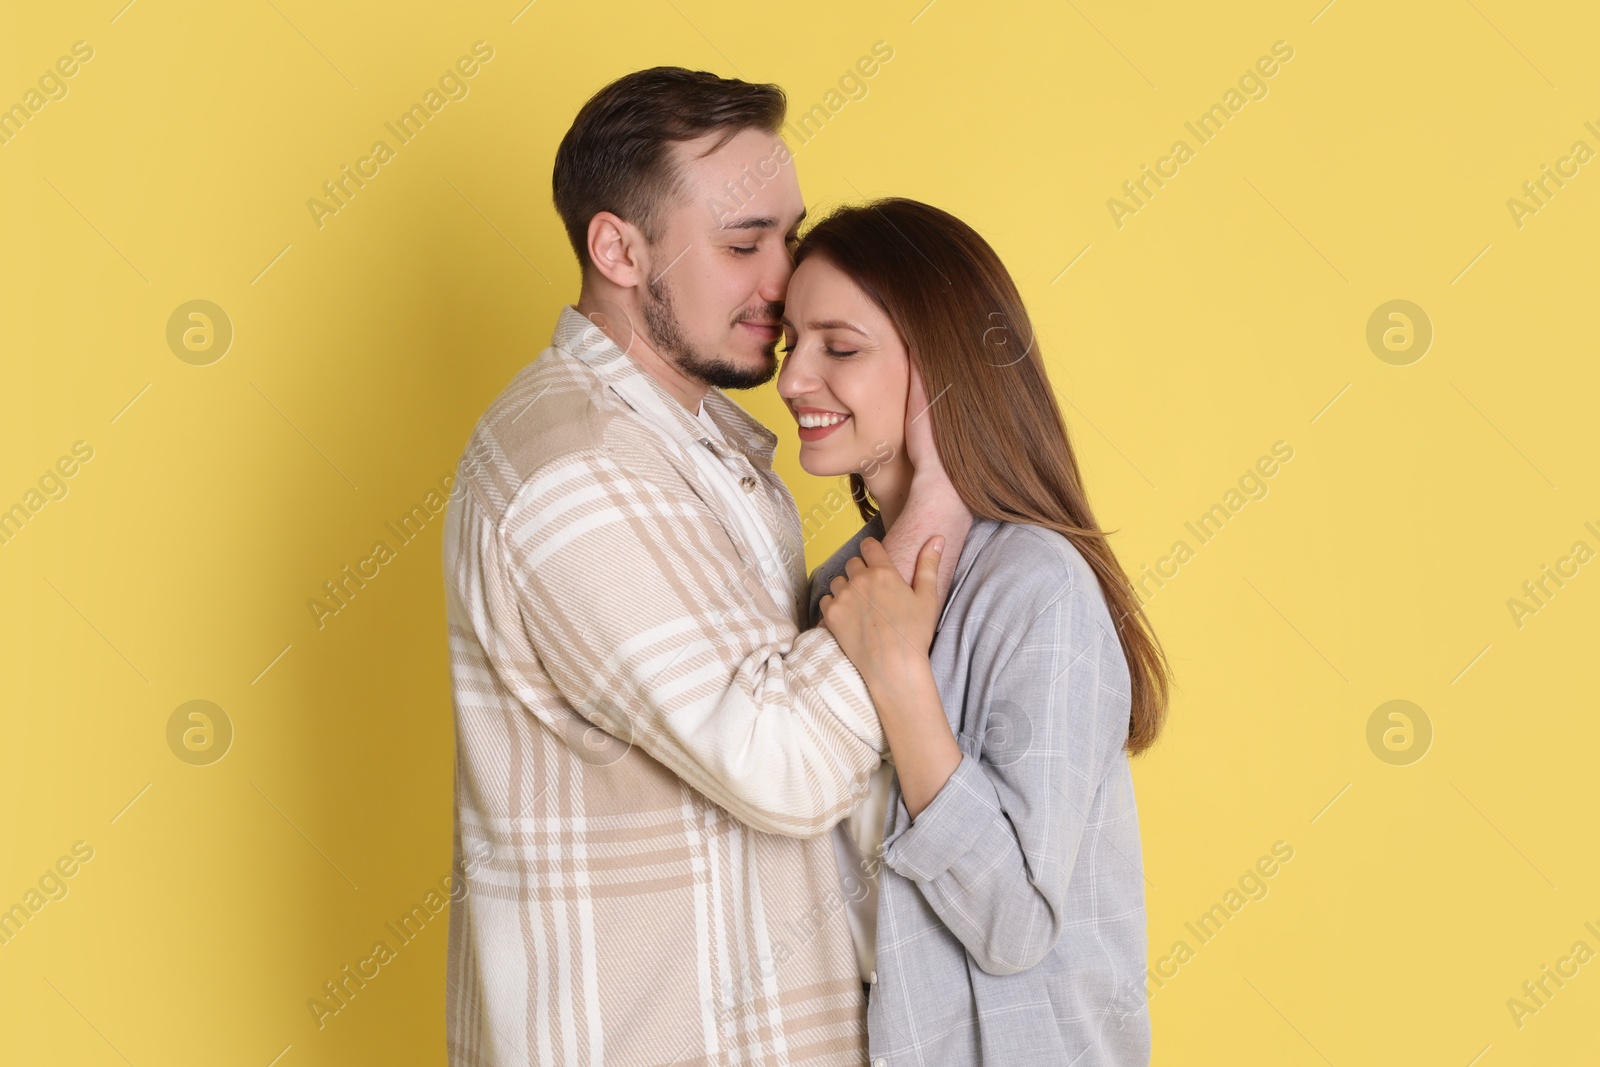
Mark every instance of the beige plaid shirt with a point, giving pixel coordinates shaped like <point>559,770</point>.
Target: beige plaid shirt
<point>650,750</point>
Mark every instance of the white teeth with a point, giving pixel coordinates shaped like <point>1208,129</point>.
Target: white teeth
<point>812,421</point>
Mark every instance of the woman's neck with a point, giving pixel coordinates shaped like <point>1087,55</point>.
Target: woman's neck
<point>890,486</point>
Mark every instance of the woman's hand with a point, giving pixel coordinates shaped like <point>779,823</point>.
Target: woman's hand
<point>886,628</point>
<point>884,625</point>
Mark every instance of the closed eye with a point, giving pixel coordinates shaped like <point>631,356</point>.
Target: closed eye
<point>743,250</point>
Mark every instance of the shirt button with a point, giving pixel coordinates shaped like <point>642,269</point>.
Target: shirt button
<point>749,483</point>
<point>874,978</point>
<point>880,1062</point>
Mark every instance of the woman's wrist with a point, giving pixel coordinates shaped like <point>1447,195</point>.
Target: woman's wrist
<point>901,682</point>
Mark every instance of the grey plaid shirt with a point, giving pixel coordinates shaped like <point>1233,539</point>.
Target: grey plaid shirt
<point>1011,922</point>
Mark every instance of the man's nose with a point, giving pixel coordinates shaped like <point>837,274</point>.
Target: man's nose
<point>775,280</point>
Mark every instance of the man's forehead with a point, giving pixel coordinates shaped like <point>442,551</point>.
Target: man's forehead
<point>749,152</point>
<point>747,184</point>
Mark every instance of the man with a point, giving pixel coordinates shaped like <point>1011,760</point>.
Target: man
<point>650,752</point>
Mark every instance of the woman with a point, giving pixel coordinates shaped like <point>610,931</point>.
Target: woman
<point>1010,898</point>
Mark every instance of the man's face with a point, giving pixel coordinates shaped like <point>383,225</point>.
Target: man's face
<point>718,273</point>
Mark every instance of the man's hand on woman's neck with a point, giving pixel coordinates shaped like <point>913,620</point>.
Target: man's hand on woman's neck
<point>931,505</point>
<point>932,508</point>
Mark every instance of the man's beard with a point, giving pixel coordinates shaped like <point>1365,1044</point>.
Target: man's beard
<point>666,334</point>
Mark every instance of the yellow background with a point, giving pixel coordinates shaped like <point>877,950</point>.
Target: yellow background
<point>1227,314</point>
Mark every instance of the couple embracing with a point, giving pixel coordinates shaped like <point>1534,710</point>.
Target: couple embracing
<point>727,813</point>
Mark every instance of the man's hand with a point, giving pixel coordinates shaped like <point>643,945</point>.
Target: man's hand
<point>920,449</point>
<point>884,625</point>
<point>933,506</point>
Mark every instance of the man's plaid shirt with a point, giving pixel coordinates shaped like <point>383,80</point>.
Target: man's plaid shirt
<point>650,750</point>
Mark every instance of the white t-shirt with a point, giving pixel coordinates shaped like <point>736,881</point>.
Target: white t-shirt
<point>857,851</point>
<point>704,417</point>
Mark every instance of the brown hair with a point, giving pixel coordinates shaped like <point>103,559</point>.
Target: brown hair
<point>994,418</point>
<point>615,158</point>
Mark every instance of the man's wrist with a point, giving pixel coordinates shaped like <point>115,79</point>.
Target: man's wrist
<point>930,486</point>
<point>935,507</point>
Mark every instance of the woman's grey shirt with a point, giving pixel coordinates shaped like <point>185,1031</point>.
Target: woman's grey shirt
<point>1011,921</point>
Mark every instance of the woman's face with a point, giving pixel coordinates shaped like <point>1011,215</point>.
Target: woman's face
<point>845,373</point>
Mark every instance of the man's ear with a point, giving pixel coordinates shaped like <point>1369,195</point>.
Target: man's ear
<point>618,250</point>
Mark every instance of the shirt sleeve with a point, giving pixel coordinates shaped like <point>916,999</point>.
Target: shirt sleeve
<point>624,590</point>
<point>993,852</point>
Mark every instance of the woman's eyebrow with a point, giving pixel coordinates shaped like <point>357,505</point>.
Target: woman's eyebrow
<point>836,324</point>
<point>829,324</point>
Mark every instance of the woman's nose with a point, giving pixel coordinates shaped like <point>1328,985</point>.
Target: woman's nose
<point>794,380</point>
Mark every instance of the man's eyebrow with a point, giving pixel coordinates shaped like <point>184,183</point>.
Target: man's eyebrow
<point>759,222</point>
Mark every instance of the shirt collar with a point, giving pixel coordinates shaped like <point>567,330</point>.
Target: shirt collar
<point>978,535</point>
<point>581,339</point>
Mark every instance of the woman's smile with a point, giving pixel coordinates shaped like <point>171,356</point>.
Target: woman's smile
<point>817,423</point>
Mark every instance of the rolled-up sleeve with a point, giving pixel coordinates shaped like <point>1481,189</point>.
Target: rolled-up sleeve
<point>611,579</point>
<point>994,850</point>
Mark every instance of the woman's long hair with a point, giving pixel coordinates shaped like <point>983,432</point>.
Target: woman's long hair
<point>994,415</point>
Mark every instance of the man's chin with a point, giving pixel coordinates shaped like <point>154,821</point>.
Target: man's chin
<point>744,371</point>
<point>759,355</point>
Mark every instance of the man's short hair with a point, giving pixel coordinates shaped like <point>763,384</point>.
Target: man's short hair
<point>616,156</point>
